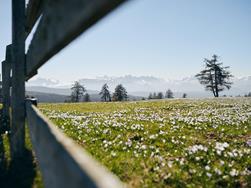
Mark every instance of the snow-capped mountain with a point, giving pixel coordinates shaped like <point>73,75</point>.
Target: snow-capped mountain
<point>132,83</point>
<point>142,85</point>
<point>46,82</point>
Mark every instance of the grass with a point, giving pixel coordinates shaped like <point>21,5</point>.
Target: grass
<point>20,173</point>
<point>166,143</point>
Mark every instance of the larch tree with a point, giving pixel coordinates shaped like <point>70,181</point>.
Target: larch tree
<point>150,96</point>
<point>105,93</point>
<point>120,93</point>
<point>169,94</point>
<point>87,97</point>
<point>215,77</point>
<point>154,95</point>
<point>78,91</point>
<point>184,95</point>
<point>160,95</point>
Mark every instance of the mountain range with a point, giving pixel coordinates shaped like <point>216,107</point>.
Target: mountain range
<point>139,86</point>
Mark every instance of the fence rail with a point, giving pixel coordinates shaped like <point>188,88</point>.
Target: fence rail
<point>33,11</point>
<point>63,21</point>
<point>62,163</point>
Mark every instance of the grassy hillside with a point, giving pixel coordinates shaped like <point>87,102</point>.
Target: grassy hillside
<point>174,143</point>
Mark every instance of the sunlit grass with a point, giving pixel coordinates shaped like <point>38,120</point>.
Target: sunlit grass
<point>167,143</point>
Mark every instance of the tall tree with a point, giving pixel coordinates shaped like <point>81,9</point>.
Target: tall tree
<point>184,95</point>
<point>120,93</point>
<point>150,96</point>
<point>154,95</point>
<point>215,76</point>
<point>105,93</point>
<point>248,95</point>
<point>160,95</point>
<point>78,91</point>
<point>87,97</point>
<point>169,94</point>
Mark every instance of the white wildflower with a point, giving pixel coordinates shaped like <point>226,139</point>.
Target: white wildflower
<point>207,167</point>
<point>234,172</point>
<point>209,174</point>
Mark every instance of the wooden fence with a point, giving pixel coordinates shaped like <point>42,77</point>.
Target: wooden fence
<point>62,163</point>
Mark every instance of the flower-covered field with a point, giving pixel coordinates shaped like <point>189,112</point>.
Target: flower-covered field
<point>166,143</point>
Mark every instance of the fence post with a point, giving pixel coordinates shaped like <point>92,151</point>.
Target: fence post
<point>18,83</point>
<point>6,83</point>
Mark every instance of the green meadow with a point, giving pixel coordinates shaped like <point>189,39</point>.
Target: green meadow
<point>164,143</point>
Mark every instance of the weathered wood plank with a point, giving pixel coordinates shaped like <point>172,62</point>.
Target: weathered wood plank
<point>62,162</point>
<point>6,82</point>
<point>4,90</point>
<point>33,11</point>
<point>18,70</point>
<point>63,21</point>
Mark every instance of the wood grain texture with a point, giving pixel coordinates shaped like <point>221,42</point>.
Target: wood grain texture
<point>6,80</point>
<point>18,75</point>
<point>33,11</point>
<point>61,22</point>
<point>62,162</point>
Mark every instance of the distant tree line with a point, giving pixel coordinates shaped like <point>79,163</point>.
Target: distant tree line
<point>155,95</point>
<point>79,93</point>
<point>160,95</point>
<point>215,77</point>
<point>248,95</point>
<point>168,95</point>
<point>120,93</point>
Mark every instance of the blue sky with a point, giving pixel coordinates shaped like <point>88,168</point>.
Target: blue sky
<point>162,38</point>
